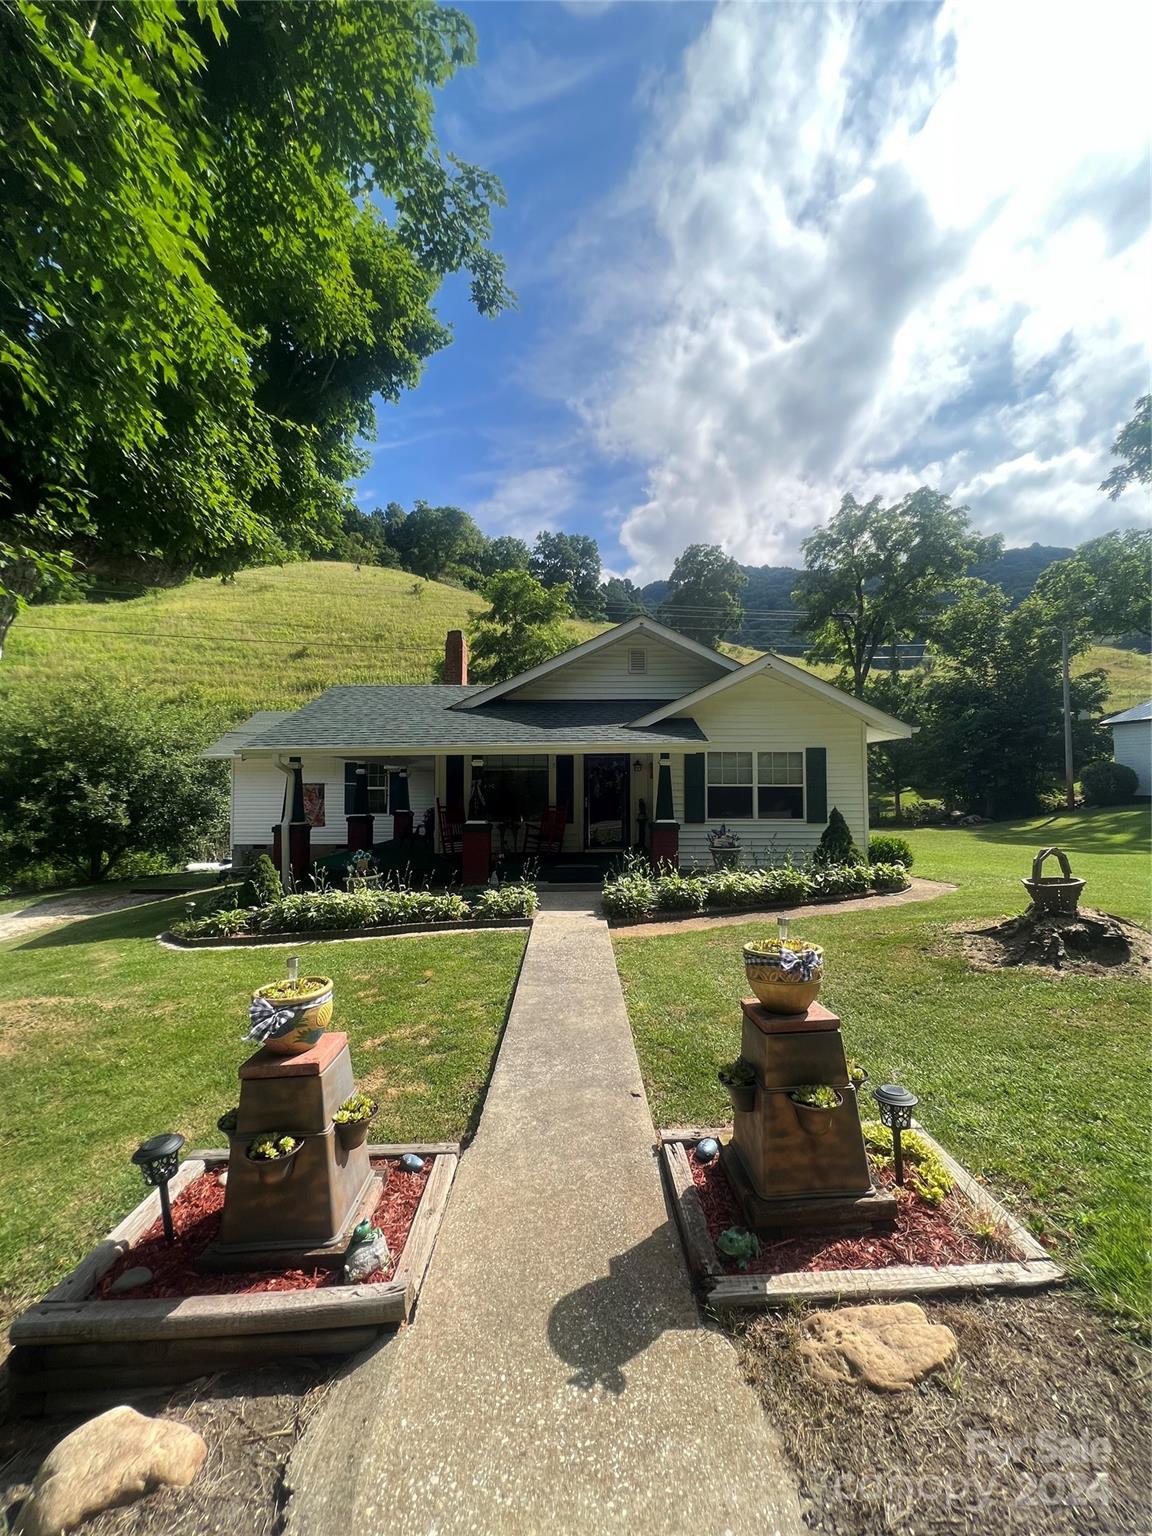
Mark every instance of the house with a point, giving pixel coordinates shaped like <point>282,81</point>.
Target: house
<point>1132,742</point>
<point>643,737</point>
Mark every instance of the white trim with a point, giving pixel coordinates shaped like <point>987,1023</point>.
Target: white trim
<point>642,623</point>
<point>882,727</point>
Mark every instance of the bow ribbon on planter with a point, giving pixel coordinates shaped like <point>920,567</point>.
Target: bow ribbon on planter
<point>797,965</point>
<point>268,1022</point>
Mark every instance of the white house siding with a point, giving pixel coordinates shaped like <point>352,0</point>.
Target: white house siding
<point>671,673</point>
<point>766,714</point>
<point>1132,746</point>
<point>258,799</point>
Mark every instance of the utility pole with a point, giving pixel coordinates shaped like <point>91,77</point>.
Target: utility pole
<point>1069,772</point>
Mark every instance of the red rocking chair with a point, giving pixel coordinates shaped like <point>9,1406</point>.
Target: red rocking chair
<point>451,830</point>
<point>546,837</point>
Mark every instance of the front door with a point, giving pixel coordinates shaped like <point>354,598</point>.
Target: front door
<point>607,792</point>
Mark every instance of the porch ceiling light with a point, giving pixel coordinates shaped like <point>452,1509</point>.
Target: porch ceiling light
<point>158,1159</point>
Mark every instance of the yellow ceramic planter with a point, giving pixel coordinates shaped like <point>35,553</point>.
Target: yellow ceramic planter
<point>778,990</point>
<point>312,1014</point>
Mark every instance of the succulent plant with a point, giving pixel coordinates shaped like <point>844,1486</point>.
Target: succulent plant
<point>737,1074</point>
<point>815,1096</point>
<point>274,1145</point>
<point>356,1108</point>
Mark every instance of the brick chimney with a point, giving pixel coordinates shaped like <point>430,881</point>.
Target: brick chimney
<point>455,657</point>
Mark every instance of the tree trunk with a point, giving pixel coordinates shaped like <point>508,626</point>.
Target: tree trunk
<point>19,578</point>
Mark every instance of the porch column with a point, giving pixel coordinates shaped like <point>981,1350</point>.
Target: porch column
<point>477,852</point>
<point>360,819</point>
<point>299,831</point>
<point>401,805</point>
<point>665,830</point>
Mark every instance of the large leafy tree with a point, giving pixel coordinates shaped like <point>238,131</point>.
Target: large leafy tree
<point>877,575</point>
<point>570,560</point>
<point>623,599</point>
<point>89,778</point>
<point>1133,447</point>
<point>438,541</point>
<point>522,626</point>
<point>1104,589</point>
<point>223,232</point>
<point>703,597</point>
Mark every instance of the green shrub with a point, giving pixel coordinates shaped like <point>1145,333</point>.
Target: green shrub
<point>224,923</point>
<point>836,845</point>
<point>889,877</point>
<point>887,848</point>
<point>516,899</point>
<point>678,893</point>
<point>262,885</point>
<point>1107,783</point>
<point>629,895</point>
<point>842,880</point>
<point>788,884</point>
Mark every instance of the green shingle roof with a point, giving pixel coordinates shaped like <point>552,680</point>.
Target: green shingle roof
<point>420,715</point>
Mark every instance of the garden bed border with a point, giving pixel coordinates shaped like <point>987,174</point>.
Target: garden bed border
<point>327,935</point>
<point>71,1352</point>
<point>1034,1270</point>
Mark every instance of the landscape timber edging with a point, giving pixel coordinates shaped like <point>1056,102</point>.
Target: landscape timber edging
<point>753,912</point>
<point>328,935</point>
<point>70,1352</point>
<point>1035,1270</point>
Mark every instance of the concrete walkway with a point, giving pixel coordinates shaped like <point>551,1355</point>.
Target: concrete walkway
<point>557,1378</point>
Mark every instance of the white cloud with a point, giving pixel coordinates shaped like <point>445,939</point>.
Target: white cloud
<point>865,249</point>
<point>523,76</point>
<point>524,501</point>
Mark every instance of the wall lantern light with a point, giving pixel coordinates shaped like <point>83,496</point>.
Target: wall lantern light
<point>158,1160</point>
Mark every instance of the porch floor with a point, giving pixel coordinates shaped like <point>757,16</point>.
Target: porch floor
<point>416,863</point>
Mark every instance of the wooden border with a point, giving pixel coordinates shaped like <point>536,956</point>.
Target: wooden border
<point>67,1316</point>
<point>1037,1269</point>
<point>171,940</point>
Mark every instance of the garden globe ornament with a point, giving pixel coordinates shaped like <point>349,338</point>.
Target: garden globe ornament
<point>410,1162</point>
<point>896,1105</point>
<point>158,1159</point>
<point>707,1150</point>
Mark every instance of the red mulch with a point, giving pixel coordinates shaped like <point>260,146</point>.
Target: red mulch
<point>196,1220</point>
<point>921,1234</point>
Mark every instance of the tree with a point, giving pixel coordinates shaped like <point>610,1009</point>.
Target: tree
<point>223,231</point>
<point>892,764</point>
<point>523,626</point>
<point>622,599</point>
<point>90,776</point>
<point>991,736</point>
<point>876,575</point>
<point>1104,589</point>
<point>570,560</point>
<point>437,541</point>
<point>503,554</point>
<point>703,599</point>
<point>1133,445</point>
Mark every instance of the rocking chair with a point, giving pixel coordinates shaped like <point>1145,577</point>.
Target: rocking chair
<point>451,829</point>
<point>546,837</point>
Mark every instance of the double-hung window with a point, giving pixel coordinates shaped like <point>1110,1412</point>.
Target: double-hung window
<point>378,789</point>
<point>747,786</point>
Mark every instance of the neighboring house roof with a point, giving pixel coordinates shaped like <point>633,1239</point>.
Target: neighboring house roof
<point>639,625</point>
<point>1130,716</point>
<point>881,727</point>
<point>422,717</point>
<point>232,741</point>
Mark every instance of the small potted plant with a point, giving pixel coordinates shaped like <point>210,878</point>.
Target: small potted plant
<point>227,1121</point>
<point>739,1077</point>
<point>785,974</point>
<point>857,1075</point>
<point>724,846</point>
<point>273,1155</point>
<point>353,1118</point>
<point>290,1016</point>
<point>814,1104</point>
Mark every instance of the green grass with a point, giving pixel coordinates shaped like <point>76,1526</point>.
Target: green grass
<point>108,1039</point>
<point>1038,1083</point>
<point>272,639</point>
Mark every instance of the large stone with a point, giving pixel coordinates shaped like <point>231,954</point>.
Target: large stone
<point>112,1460</point>
<point>887,1346</point>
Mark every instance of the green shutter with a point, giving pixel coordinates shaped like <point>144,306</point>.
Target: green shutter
<point>350,787</point>
<point>694,799</point>
<point>454,784</point>
<point>816,780</point>
<point>566,784</point>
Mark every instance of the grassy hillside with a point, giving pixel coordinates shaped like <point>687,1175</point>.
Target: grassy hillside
<point>271,639</point>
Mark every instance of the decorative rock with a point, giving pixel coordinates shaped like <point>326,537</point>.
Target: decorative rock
<point>130,1280</point>
<point>410,1163</point>
<point>886,1346</point>
<point>112,1460</point>
<point>222,1179</point>
<point>707,1150</point>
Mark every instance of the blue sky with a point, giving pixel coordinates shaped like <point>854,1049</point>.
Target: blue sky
<point>769,253</point>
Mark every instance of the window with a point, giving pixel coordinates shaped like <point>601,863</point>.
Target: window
<point>513,786</point>
<point>777,792</point>
<point>377,789</point>
<point>729,785</point>
<point>780,784</point>
<point>637,659</point>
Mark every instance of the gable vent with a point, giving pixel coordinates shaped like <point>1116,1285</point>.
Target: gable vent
<point>637,659</point>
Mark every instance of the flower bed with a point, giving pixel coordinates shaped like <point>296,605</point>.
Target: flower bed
<point>639,893</point>
<point>359,910</point>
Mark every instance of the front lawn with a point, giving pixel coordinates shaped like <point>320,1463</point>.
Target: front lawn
<point>108,1039</point>
<point>1037,1082</point>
